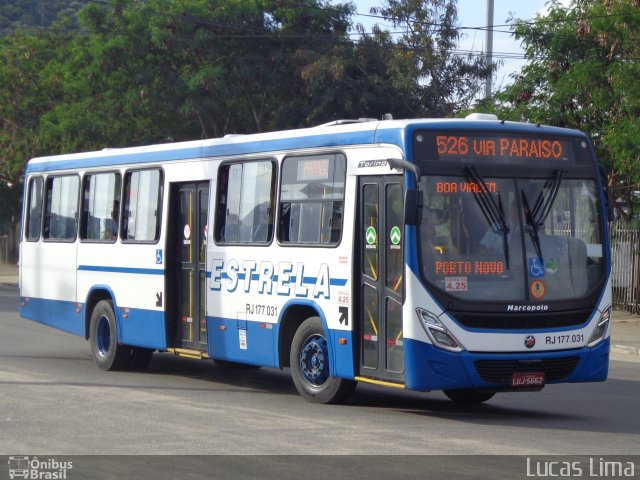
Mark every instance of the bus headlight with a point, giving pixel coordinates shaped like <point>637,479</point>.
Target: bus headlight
<point>437,332</point>
<point>601,327</point>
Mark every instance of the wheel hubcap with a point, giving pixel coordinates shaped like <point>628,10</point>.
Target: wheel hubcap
<point>103,336</point>
<point>313,360</point>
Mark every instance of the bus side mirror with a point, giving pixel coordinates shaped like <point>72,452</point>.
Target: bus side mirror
<point>413,202</point>
<point>604,178</point>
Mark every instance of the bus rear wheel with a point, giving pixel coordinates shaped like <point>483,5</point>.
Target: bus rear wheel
<point>469,395</point>
<point>310,366</point>
<point>140,358</point>
<point>105,350</point>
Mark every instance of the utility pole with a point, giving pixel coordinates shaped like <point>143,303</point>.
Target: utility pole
<point>489,51</point>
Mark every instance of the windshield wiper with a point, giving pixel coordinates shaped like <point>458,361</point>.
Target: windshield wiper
<point>493,213</point>
<point>533,231</point>
<point>542,208</point>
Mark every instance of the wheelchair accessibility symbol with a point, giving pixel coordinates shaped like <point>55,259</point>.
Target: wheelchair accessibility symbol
<point>536,268</point>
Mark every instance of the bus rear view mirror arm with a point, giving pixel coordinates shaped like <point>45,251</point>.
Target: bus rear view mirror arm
<point>400,164</point>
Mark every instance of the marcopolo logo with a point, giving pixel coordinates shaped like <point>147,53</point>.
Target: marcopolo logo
<point>37,469</point>
<point>528,308</point>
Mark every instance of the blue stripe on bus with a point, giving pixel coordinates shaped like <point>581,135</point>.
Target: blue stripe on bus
<point>223,341</point>
<point>190,151</point>
<point>59,314</point>
<point>399,135</point>
<point>141,328</point>
<point>139,271</point>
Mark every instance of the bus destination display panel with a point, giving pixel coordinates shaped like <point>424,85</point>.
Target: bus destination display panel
<point>507,148</point>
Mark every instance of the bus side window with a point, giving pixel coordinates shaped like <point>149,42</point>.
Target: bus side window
<point>312,199</point>
<point>61,212</point>
<point>100,206</point>
<point>244,212</point>
<point>142,206</point>
<point>34,210</point>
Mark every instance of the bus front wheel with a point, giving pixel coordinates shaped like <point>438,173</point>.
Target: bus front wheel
<point>105,350</point>
<point>310,366</point>
<point>469,395</point>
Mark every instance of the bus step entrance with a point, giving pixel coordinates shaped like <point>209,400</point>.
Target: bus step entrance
<point>184,352</point>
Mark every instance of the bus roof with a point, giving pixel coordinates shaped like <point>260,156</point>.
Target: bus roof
<point>358,133</point>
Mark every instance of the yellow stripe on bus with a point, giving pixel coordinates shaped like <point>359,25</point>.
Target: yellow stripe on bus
<point>379,382</point>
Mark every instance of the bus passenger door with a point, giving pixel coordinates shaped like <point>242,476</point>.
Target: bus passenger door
<point>190,203</point>
<point>381,270</point>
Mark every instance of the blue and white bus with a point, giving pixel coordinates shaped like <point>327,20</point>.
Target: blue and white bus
<point>464,255</point>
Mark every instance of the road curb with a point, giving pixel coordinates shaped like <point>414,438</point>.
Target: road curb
<point>624,350</point>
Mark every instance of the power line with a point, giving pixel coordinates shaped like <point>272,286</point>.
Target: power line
<point>530,22</point>
<point>494,28</point>
<point>328,37</point>
<point>255,30</point>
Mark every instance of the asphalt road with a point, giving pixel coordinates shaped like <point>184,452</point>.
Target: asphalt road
<point>54,401</point>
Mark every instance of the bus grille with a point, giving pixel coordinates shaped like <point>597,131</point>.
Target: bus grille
<point>528,321</point>
<point>501,371</point>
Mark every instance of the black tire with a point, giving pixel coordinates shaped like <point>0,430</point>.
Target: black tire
<point>469,396</point>
<point>140,358</point>
<point>310,366</point>
<point>103,336</point>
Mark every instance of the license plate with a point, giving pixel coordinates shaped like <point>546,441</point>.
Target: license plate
<point>532,379</point>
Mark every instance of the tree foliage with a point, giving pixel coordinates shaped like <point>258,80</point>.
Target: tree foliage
<point>34,13</point>
<point>29,90</point>
<point>583,65</point>
<point>443,82</point>
<point>132,72</point>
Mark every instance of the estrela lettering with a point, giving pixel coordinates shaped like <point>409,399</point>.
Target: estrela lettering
<point>265,278</point>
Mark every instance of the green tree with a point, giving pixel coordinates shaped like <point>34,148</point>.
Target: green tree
<point>443,81</point>
<point>28,91</point>
<point>582,72</point>
<point>414,74</point>
<point>165,70</point>
<point>138,72</point>
<point>34,13</point>
<point>360,79</point>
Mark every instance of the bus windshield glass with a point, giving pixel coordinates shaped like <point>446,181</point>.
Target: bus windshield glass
<point>511,239</point>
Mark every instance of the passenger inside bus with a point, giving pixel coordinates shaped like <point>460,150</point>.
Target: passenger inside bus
<point>111,223</point>
<point>435,232</point>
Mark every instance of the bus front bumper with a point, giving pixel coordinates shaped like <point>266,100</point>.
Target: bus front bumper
<point>430,368</point>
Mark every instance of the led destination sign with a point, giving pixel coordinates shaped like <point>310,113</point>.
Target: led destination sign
<point>500,147</point>
<point>464,187</point>
<point>494,147</point>
<point>469,268</point>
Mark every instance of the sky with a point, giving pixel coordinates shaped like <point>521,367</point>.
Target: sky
<point>473,13</point>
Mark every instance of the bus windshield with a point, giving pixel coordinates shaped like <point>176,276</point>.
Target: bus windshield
<point>511,239</point>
